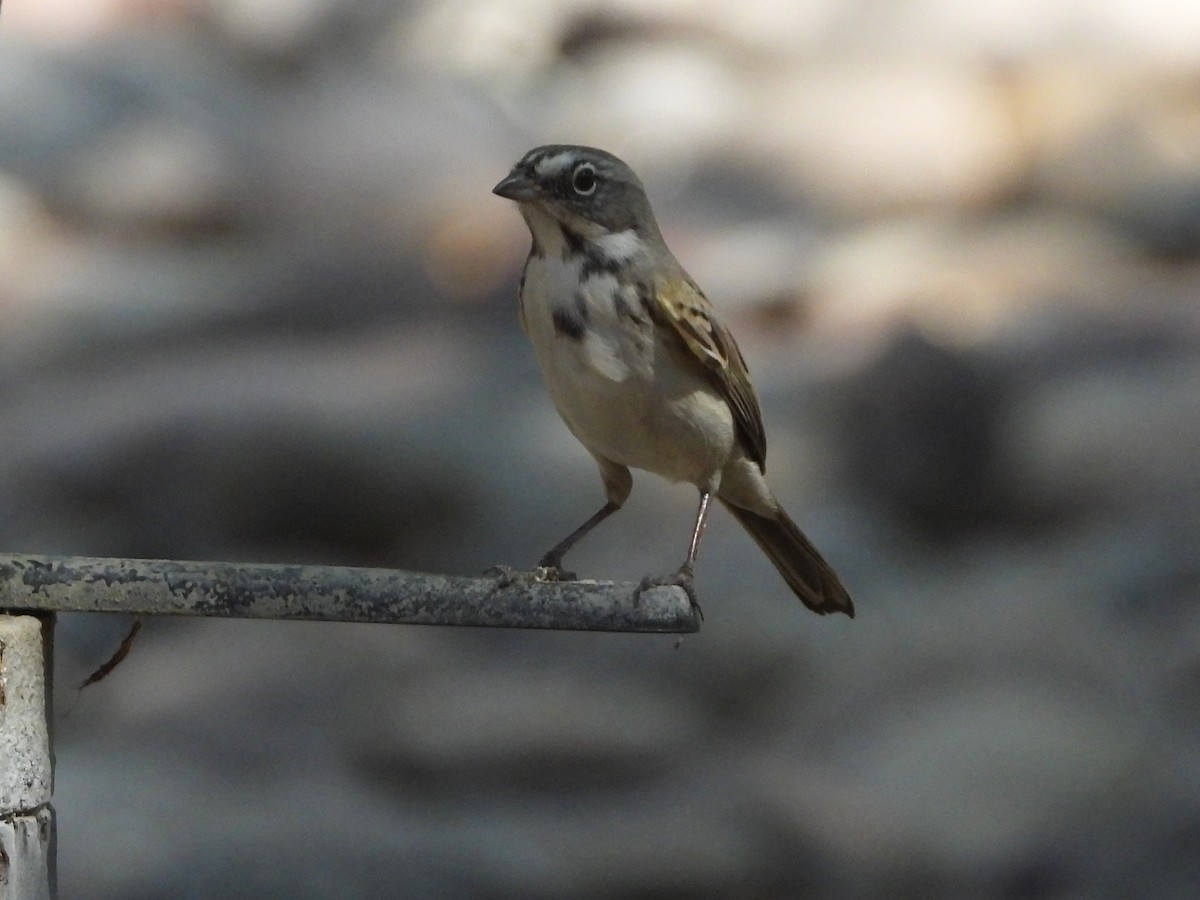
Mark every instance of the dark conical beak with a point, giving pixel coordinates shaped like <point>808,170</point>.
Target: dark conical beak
<point>517,186</point>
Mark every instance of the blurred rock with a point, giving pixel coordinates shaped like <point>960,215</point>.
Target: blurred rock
<point>1153,35</point>
<point>26,234</point>
<point>534,731</point>
<point>964,278</point>
<point>502,43</point>
<point>922,430</point>
<point>858,137</point>
<point>280,31</point>
<point>1166,217</point>
<point>670,103</point>
<point>1112,438</point>
<point>267,491</point>
<point>1135,160</point>
<point>156,176</point>
<point>1068,751</point>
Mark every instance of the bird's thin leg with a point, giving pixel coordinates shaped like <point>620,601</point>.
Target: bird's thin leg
<point>553,557</point>
<point>698,531</point>
<point>684,578</point>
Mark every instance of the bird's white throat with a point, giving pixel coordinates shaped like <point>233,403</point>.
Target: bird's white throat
<point>619,246</point>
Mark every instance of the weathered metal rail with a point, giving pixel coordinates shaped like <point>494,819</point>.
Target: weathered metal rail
<point>333,594</point>
<point>33,588</point>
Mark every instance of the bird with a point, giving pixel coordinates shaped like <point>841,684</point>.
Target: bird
<point>641,368</point>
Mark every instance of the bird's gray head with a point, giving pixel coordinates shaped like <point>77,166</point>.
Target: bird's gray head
<point>587,190</point>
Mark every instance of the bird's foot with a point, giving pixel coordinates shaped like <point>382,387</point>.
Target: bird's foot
<point>684,578</point>
<point>549,568</point>
<point>554,573</point>
<point>507,576</point>
<point>504,575</point>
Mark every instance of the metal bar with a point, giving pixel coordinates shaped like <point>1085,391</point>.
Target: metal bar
<point>333,594</point>
<point>27,838</point>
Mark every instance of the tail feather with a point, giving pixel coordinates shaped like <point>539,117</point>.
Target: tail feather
<point>798,561</point>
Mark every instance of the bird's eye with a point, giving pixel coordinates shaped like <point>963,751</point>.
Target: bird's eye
<point>584,179</point>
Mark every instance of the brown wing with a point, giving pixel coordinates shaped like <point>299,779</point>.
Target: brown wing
<point>677,302</point>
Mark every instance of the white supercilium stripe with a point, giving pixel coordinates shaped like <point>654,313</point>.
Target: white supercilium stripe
<point>549,166</point>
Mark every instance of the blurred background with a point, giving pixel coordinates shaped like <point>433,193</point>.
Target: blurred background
<point>257,303</point>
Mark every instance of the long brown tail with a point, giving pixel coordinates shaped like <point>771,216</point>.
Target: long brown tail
<point>797,560</point>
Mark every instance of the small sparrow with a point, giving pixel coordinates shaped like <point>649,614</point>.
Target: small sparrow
<point>640,367</point>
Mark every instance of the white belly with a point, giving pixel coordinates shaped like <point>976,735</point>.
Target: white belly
<point>622,390</point>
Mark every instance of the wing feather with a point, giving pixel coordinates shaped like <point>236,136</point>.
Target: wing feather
<point>679,303</point>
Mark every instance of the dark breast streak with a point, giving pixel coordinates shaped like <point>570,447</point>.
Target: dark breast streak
<point>568,322</point>
<point>593,260</point>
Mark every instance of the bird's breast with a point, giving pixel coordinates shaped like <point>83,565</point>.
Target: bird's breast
<point>613,377</point>
<point>586,326</point>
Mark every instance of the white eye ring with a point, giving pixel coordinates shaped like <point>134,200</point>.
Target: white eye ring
<point>583,179</point>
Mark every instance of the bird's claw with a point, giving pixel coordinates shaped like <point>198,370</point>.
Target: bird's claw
<point>508,576</point>
<point>549,568</point>
<point>684,578</point>
<point>552,572</point>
